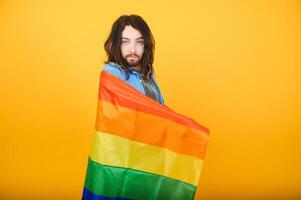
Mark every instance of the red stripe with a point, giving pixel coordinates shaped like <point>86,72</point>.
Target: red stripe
<point>117,92</point>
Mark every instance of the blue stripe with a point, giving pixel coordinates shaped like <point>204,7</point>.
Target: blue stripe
<point>87,195</point>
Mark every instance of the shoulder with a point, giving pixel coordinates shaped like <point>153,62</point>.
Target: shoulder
<point>114,69</point>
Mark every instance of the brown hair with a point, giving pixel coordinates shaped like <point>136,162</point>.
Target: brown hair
<point>112,44</point>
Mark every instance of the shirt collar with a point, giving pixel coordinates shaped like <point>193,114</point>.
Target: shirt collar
<point>135,71</point>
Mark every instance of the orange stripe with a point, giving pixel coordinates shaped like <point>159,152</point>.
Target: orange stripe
<point>116,91</point>
<point>150,129</point>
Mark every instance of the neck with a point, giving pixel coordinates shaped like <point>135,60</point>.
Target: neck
<point>138,68</point>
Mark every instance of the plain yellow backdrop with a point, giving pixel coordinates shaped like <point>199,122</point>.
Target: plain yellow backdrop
<point>233,66</point>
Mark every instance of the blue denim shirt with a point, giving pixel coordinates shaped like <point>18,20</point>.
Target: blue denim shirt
<point>134,78</point>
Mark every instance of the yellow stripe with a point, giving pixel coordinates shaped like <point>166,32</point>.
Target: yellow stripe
<point>117,151</point>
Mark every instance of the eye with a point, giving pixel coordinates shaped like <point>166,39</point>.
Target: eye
<point>124,41</point>
<point>140,42</point>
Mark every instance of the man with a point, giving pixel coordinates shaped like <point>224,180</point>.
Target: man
<point>130,50</point>
<point>140,149</point>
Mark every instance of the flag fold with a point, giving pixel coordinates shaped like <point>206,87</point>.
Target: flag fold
<point>142,149</point>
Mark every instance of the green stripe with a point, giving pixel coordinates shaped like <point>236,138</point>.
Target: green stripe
<point>133,184</point>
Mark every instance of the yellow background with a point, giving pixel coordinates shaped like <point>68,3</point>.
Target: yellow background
<point>234,66</point>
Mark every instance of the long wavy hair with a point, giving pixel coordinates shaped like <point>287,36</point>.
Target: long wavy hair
<point>113,42</point>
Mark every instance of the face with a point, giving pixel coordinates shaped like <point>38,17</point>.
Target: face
<point>132,46</point>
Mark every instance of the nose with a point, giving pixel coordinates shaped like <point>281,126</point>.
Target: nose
<point>132,48</point>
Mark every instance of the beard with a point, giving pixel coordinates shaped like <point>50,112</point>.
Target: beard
<point>133,60</point>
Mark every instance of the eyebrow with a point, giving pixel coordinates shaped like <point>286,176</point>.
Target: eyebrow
<point>129,38</point>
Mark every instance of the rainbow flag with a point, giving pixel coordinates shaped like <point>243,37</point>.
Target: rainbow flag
<point>142,149</point>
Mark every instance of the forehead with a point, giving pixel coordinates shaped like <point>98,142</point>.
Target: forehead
<point>131,33</point>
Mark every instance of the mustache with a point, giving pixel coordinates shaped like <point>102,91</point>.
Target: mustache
<point>132,55</point>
